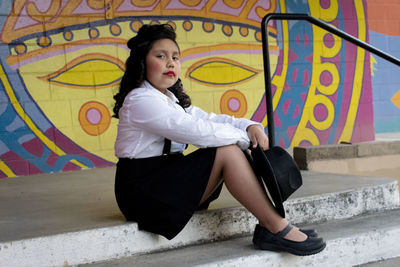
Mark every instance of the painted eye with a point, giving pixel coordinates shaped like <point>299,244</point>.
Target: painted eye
<point>220,72</point>
<point>89,71</point>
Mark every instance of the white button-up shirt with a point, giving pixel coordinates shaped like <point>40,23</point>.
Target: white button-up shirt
<point>148,116</point>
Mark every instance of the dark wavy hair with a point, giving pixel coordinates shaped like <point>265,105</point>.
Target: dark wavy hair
<point>178,90</point>
<point>135,65</point>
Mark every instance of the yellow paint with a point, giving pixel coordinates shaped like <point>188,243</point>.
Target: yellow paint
<point>6,170</point>
<point>230,46</point>
<point>396,99</point>
<point>279,79</point>
<point>199,47</point>
<point>17,106</point>
<point>372,62</point>
<point>66,77</point>
<point>220,72</point>
<point>317,93</point>
<point>327,122</point>
<point>358,75</point>
<point>34,51</point>
<point>90,71</point>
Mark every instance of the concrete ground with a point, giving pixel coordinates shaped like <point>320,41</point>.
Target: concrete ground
<point>395,262</point>
<point>376,165</point>
<point>390,172</point>
<point>387,172</point>
<point>30,206</point>
<point>47,204</point>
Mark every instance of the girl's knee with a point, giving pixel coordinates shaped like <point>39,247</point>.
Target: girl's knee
<point>229,148</point>
<point>228,151</point>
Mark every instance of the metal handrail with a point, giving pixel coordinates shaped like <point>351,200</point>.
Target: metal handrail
<point>319,23</point>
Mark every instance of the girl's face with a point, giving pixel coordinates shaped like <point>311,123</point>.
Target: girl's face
<point>163,65</point>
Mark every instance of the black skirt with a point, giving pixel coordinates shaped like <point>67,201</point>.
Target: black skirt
<point>162,193</point>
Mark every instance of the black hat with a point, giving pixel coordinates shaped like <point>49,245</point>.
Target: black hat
<point>279,173</point>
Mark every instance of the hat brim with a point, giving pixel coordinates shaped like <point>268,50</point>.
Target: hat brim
<point>264,170</point>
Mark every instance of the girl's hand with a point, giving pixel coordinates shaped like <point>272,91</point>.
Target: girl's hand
<point>257,136</point>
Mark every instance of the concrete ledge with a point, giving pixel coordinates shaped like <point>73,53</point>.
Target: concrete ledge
<point>337,197</point>
<point>349,243</point>
<point>305,155</point>
<point>378,148</point>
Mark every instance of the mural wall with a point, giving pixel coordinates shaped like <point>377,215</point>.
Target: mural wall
<point>384,30</point>
<point>61,62</point>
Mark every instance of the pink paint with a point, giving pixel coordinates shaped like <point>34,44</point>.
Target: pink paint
<point>221,7</point>
<point>305,77</point>
<point>325,78</point>
<point>70,147</point>
<point>70,167</point>
<point>176,4</point>
<point>24,20</point>
<point>306,40</point>
<point>260,112</point>
<point>61,52</point>
<point>286,105</point>
<point>277,121</point>
<point>224,52</point>
<point>303,97</point>
<point>83,8</point>
<point>309,59</point>
<point>320,112</point>
<point>93,116</point>
<point>305,143</point>
<point>234,104</point>
<point>19,166</point>
<point>127,6</point>
<point>290,131</point>
<point>34,146</point>
<point>52,159</point>
<point>294,75</point>
<point>296,111</point>
<point>265,4</point>
<point>325,4</point>
<point>328,40</point>
<point>42,5</point>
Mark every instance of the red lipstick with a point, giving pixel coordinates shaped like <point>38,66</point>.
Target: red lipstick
<point>169,73</point>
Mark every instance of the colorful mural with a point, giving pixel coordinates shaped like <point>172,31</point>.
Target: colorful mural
<point>61,62</point>
<point>383,21</point>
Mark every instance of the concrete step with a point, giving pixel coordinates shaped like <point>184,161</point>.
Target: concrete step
<point>393,262</point>
<point>350,242</point>
<point>71,218</point>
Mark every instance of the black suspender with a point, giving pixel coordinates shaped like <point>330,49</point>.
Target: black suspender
<point>167,147</point>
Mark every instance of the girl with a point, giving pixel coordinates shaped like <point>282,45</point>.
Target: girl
<point>159,187</point>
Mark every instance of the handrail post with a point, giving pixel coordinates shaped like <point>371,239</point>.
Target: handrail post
<point>267,80</point>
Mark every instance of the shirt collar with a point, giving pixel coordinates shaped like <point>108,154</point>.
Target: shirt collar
<point>168,93</point>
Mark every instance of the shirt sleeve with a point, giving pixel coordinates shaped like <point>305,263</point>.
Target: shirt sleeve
<point>161,117</point>
<point>240,123</point>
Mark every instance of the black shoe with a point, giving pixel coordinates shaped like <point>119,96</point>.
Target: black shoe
<point>265,240</point>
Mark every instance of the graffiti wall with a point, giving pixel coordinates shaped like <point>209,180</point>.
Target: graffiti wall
<point>384,30</point>
<point>61,62</point>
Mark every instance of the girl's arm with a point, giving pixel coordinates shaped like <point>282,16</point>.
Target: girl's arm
<point>254,130</point>
<point>163,118</point>
<point>240,123</point>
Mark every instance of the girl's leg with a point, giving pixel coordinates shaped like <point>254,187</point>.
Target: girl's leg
<point>231,164</point>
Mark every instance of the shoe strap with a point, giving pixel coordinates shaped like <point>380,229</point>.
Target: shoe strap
<point>285,231</point>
